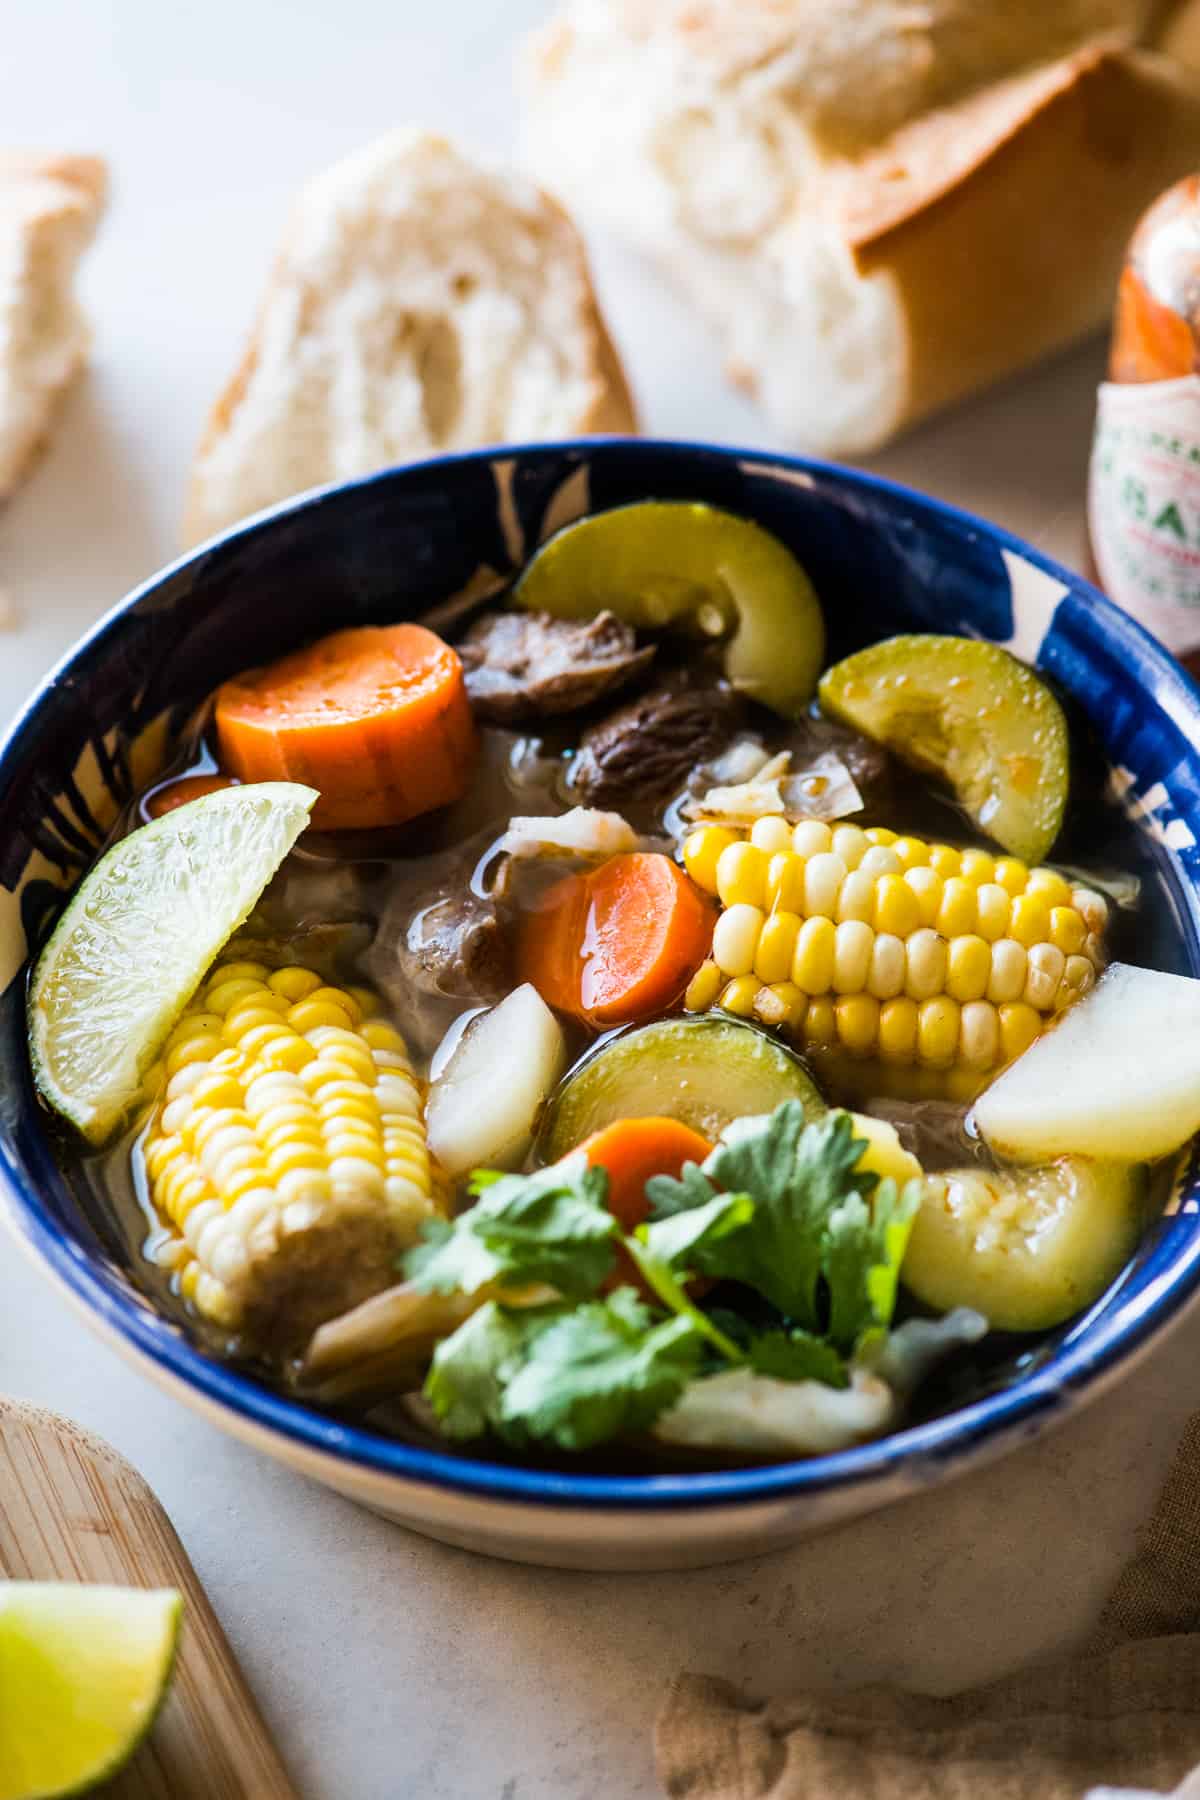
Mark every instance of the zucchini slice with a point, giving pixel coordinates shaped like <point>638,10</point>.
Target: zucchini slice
<point>971,713</point>
<point>704,1071</point>
<point>1028,1248</point>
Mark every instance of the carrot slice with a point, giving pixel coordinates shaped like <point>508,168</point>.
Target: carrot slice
<point>376,718</point>
<point>632,1150</point>
<point>618,944</point>
<point>179,793</point>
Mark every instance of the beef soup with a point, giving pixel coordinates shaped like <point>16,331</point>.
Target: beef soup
<point>613,1031</point>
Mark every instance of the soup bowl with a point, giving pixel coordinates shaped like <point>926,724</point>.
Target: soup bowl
<point>395,545</point>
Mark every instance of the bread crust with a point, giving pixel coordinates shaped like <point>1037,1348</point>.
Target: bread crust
<point>955,210</point>
<point>42,197</point>
<point>608,406</point>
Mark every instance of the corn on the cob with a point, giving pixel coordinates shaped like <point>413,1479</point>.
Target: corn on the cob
<point>288,1153</point>
<point>865,944</point>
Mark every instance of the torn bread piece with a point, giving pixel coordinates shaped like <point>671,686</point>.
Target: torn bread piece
<point>880,207</point>
<point>423,300</point>
<point>49,207</point>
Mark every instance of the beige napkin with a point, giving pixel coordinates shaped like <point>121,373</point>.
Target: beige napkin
<point>1119,1722</point>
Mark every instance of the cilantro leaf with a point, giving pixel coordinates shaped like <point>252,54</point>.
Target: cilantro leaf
<point>797,1175</point>
<point>561,1375</point>
<point>470,1368</point>
<point>865,1246</point>
<point>669,1194</point>
<point>683,1240</point>
<point>601,1371</point>
<point>553,1226</point>
<point>797,1356</point>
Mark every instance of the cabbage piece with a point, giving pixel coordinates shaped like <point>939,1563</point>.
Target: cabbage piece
<point>739,1410</point>
<point>583,831</point>
<point>824,789</point>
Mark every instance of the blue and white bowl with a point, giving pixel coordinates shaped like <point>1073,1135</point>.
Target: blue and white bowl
<point>395,544</point>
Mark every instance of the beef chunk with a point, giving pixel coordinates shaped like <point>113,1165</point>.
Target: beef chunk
<point>458,946</point>
<point>648,747</point>
<point>935,1131</point>
<point>525,666</point>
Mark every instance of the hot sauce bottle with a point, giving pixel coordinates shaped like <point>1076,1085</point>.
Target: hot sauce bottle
<point>1144,480</point>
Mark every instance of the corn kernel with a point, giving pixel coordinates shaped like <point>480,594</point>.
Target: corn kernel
<point>912,852</point>
<point>1068,932</point>
<point>293,984</point>
<point>812,963</point>
<point>1049,884</point>
<point>1079,973</point>
<point>820,1023</point>
<point>851,956</point>
<point>742,876</point>
<point>881,859</point>
<point>771,834</point>
<point>702,852</point>
<point>703,988</point>
<point>1011,875</point>
<point>785,882</point>
<point>976,866</point>
<point>1078,978</point>
<point>993,909</point>
<point>1093,907</point>
<point>968,966</point>
<point>1030,922</point>
<point>857,1017</point>
<point>823,878</point>
<point>811,837</point>
<point>937,1032</point>
<point>925,974</point>
<point>776,947</point>
<point>898,1030</point>
<point>781,1004</point>
<point>735,938</point>
<point>738,996</point>
<point>958,914</point>
<point>979,1035</point>
<point>1009,964</point>
<point>879,834</point>
<point>856,897</point>
<point>850,843</point>
<point>889,963</point>
<point>945,859</point>
<point>928,886</point>
<point>228,989</point>
<point>1020,1026</point>
<point>1045,972</point>
<point>897,908</point>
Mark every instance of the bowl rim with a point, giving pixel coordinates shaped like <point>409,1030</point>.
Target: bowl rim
<point>1080,1367</point>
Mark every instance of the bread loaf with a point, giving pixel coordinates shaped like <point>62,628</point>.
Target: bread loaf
<point>881,207</point>
<point>423,300</point>
<point>49,206</point>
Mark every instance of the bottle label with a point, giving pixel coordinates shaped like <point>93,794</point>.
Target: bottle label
<point>1144,504</point>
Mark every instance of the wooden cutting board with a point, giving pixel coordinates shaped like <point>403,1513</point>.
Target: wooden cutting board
<point>71,1509</point>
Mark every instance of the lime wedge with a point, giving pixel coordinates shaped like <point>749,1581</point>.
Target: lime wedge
<point>140,931</point>
<point>83,1672</point>
<point>967,711</point>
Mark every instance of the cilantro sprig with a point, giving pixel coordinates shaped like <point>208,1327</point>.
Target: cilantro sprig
<point>779,1207</point>
<point>552,1228</point>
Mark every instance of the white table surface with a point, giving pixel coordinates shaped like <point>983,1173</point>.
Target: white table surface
<point>390,1667</point>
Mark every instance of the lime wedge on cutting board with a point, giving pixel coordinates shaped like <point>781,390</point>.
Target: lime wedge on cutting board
<point>137,936</point>
<point>83,1672</point>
